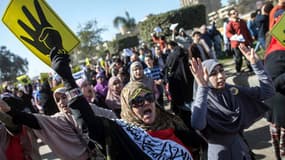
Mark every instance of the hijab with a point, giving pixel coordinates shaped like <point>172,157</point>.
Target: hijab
<point>147,81</point>
<point>163,119</point>
<point>113,99</point>
<point>229,109</point>
<point>61,90</point>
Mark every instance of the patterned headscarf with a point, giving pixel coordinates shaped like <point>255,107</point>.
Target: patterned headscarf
<point>163,119</point>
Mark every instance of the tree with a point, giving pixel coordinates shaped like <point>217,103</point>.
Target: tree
<point>90,38</point>
<point>11,65</point>
<point>125,23</point>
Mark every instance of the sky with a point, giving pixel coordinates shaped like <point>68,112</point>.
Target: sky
<point>74,13</point>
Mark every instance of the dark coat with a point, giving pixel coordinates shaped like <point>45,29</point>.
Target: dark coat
<point>179,77</point>
<point>195,52</point>
<point>275,65</point>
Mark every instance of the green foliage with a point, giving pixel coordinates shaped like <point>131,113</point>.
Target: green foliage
<point>187,17</point>
<point>90,38</point>
<point>11,65</point>
<point>126,41</point>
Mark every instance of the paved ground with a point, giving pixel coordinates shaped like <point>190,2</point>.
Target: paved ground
<point>257,135</point>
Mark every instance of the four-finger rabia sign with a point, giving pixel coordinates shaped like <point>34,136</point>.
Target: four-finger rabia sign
<point>38,27</point>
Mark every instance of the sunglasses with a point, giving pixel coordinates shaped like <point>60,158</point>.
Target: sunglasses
<point>140,100</point>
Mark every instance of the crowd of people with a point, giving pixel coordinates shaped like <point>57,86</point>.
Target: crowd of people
<point>117,108</point>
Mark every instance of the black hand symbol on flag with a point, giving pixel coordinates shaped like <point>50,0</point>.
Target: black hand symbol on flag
<point>44,36</point>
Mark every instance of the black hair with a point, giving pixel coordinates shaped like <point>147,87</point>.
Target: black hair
<point>149,56</point>
<point>196,32</point>
<point>253,15</point>
<point>268,7</point>
<point>172,43</point>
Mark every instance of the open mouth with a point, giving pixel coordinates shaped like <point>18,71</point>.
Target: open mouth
<point>147,112</point>
<point>221,83</point>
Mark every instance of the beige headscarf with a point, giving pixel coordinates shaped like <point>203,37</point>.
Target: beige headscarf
<point>163,119</point>
<point>147,81</point>
<point>113,99</point>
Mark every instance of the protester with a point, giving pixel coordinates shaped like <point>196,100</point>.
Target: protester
<point>153,72</point>
<point>222,111</point>
<point>179,78</point>
<point>101,88</point>
<point>206,40</point>
<point>125,141</point>
<point>113,100</point>
<point>182,39</point>
<point>137,74</point>
<point>262,24</point>
<point>159,40</point>
<point>59,131</point>
<point>238,33</point>
<point>17,142</point>
<point>138,108</point>
<point>275,65</point>
<point>197,50</point>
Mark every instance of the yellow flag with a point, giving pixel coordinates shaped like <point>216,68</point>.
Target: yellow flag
<point>38,27</point>
<point>278,30</point>
<point>87,61</point>
<point>24,79</point>
<point>44,77</point>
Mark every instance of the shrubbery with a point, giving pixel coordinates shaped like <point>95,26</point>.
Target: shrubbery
<point>187,17</point>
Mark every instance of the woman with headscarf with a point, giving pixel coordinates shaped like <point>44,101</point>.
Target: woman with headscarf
<point>17,142</point>
<point>59,131</point>
<point>138,108</point>
<point>222,111</point>
<point>122,139</point>
<point>137,75</point>
<point>113,100</point>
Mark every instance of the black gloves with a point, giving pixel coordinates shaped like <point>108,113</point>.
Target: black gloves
<point>60,64</point>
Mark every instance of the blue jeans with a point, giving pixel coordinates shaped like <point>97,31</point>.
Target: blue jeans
<point>260,42</point>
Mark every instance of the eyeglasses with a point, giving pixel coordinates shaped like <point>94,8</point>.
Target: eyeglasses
<point>139,101</point>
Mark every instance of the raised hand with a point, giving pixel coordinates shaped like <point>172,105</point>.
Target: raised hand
<point>200,74</point>
<point>44,36</point>
<point>249,53</point>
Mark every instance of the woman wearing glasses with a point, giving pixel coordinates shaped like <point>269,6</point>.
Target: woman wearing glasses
<point>121,139</point>
<point>222,111</point>
<point>139,109</point>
